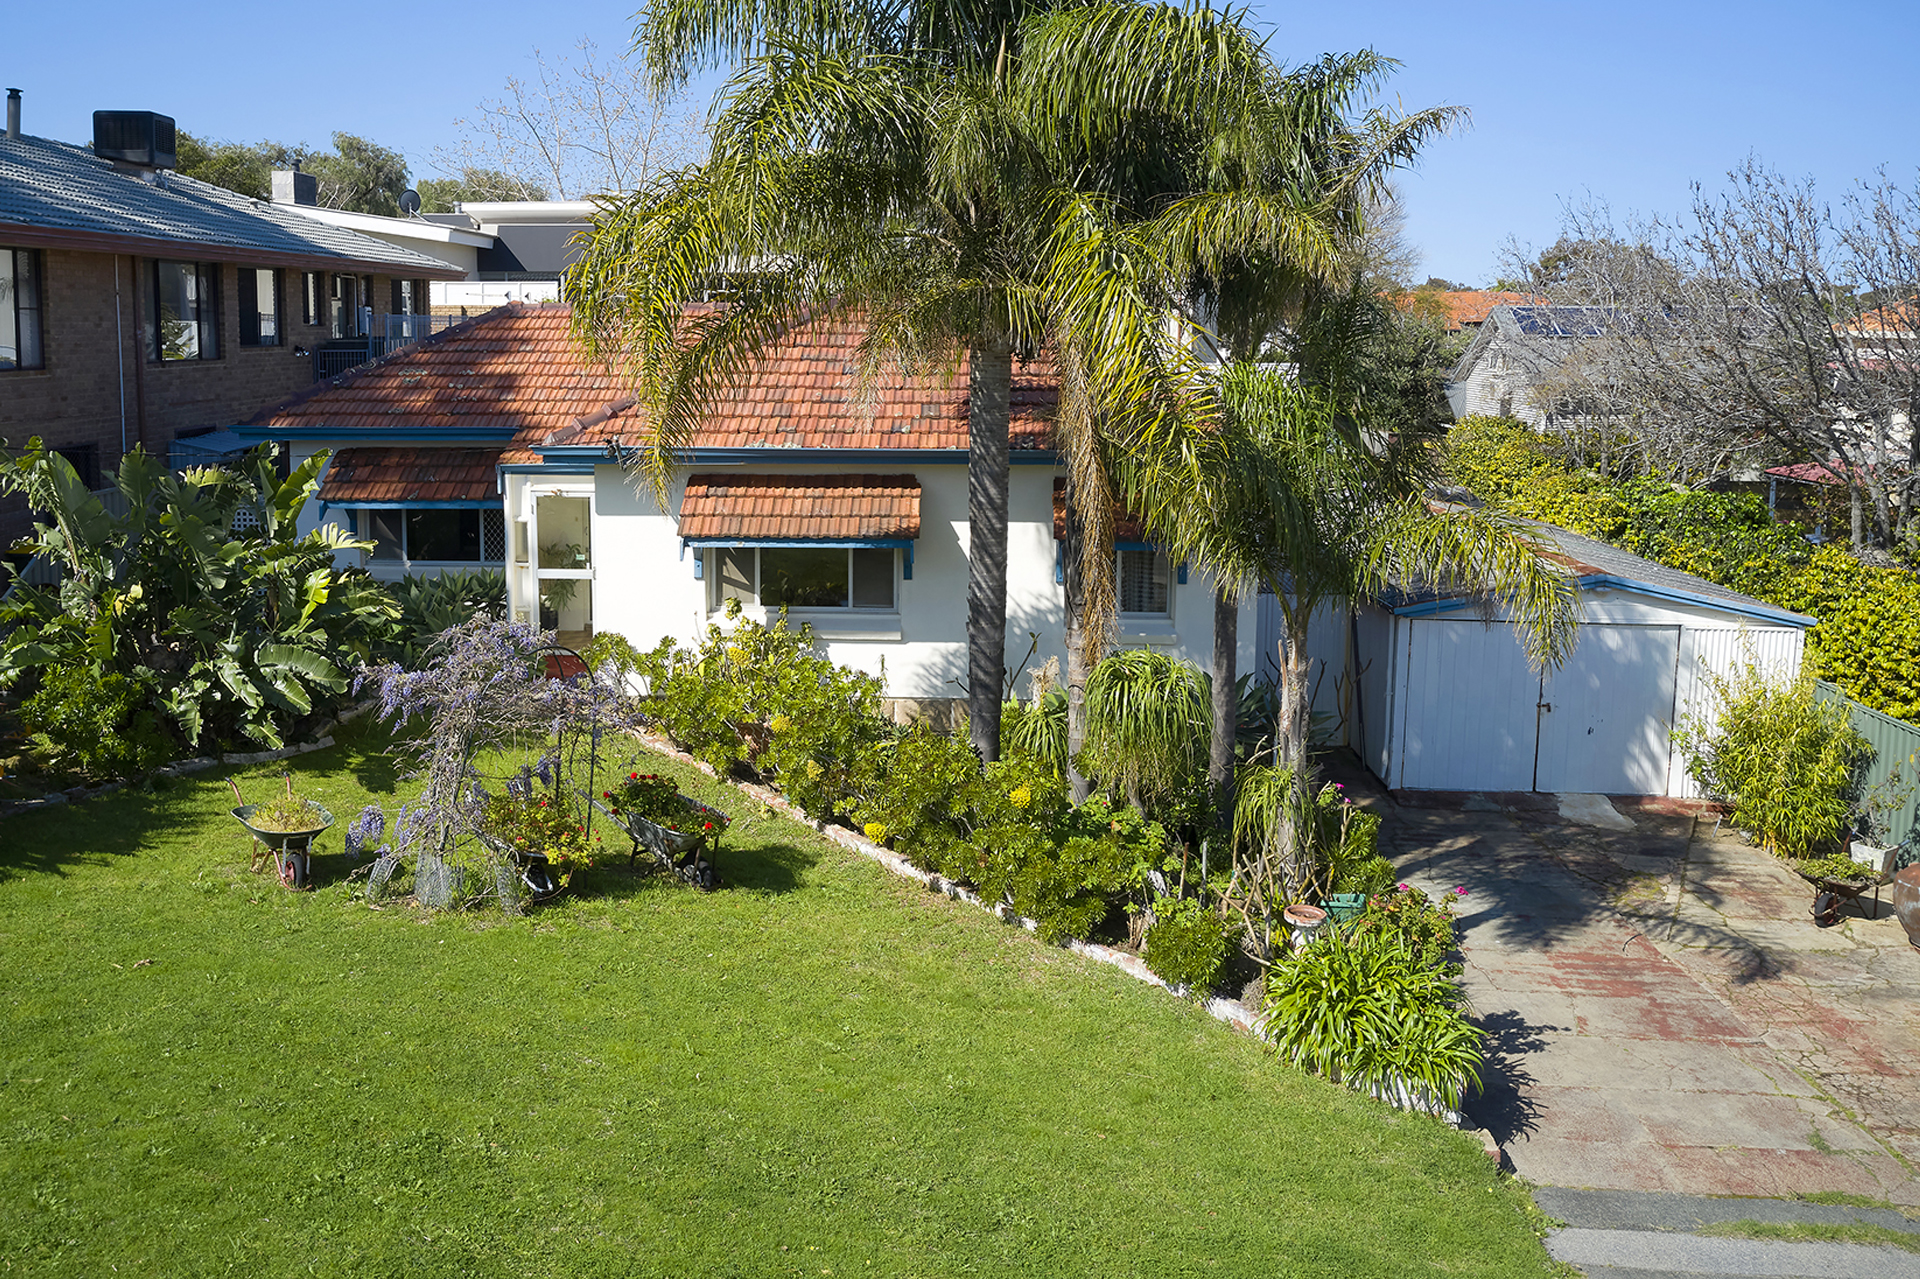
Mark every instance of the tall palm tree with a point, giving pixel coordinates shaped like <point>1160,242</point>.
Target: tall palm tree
<point>1291,495</point>
<point>876,165</point>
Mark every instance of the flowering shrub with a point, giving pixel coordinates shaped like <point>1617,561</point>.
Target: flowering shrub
<point>542,828</point>
<point>1347,839</point>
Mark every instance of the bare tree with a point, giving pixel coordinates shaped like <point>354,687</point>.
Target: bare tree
<point>1766,318</point>
<point>582,127</point>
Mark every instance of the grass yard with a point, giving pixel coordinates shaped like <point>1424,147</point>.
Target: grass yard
<point>820,1070</point>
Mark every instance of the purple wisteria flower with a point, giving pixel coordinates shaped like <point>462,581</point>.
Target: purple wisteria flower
<point>365,830</point>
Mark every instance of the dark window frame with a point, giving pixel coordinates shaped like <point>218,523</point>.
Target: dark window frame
<point>251,311</point>
<point>22,312</point>
<point>401,523</point>
<point>1167,575</point>
<point>206,317</point>
<point>720,574</point>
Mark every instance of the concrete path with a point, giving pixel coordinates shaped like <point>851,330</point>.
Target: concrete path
<point>1637,1235</point>
<point>1662,1013</point>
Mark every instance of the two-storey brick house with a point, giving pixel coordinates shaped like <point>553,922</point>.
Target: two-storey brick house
<point>138,305</point>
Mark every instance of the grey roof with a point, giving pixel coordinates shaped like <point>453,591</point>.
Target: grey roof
<point>1588,558</point>
<point>55,193</point>
<point>1537,329</point>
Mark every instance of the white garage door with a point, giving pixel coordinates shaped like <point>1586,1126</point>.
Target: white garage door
<point>1469,722</point>
<point>1607,717</point>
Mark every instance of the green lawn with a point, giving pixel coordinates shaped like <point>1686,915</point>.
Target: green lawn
<point>820,1070</point>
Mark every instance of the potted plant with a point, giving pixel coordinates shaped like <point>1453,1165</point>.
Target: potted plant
<point>541,836</point>
<point>682,833</point>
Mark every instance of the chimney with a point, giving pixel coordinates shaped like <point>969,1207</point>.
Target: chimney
<point>13,113</point>
<point>290,186</point>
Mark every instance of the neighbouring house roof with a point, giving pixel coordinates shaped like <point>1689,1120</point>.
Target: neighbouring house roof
<point>1127,527</point>
<point>1465,307</point>
<point>732,507</point>
<point>1598,565</point>
<point>56,195</point>
<point>517,368</point>
<point>402,476</point>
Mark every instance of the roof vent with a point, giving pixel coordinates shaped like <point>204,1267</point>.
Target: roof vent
<point>142,138</point>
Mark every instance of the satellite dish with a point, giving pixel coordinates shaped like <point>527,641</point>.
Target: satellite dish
<point>409,202</point>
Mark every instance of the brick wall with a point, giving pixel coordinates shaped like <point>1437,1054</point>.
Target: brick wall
<point>77,398</point>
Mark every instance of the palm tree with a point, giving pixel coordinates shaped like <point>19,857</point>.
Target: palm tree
<point>1292,495</point>
<point>880,167</point>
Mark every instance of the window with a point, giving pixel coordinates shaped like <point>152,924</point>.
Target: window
<point>858,577</point>
<point>20,345</point>
<point>186,312</point>
<point>1142,581</point>
<point>313,297</point>
<point>409,297</point>
<point>85,459</point>
<point>436,536</point>
<point>343,306</point>
<point>259,307</point>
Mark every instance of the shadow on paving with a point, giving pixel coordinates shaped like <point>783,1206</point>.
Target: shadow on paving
<point>1503,1106</point>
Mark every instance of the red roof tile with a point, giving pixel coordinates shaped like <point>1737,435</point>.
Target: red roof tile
<point>838,507</point>
<point>411,475</point>
<point>518,367</point>
<point>1465,306</point>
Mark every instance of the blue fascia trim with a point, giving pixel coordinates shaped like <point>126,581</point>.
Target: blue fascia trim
<point>363,436</point>
<point>549,468</point>
<point>807,457</point>
<point>463,504</point>
<point>1604,581</point>
<point>856,543</point>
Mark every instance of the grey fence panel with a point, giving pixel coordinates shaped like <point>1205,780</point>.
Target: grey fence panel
<point>1896,744</point>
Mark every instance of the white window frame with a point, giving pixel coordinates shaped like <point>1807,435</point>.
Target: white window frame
<point>710,567</point>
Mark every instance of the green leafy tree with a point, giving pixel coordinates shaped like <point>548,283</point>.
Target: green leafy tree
<point>360,176</point>
<point>227,632</point>
<point>237,166</point>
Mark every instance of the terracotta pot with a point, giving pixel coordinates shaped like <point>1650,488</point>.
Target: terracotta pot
<point>1906,902</point>
<point>1305,921</point>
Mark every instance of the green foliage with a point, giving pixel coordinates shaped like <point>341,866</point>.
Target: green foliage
<point>100,725</point>
<point>552,827</point>
<point>1037,729</point>
<point>1186,944</point>
<point>360,176</point>
<point>919,794</point>
<point>762,696</point>
<point>1346,845</point>
<point>237,166</point>
<point>1361,1007</point>
<point>1425,927</point>
<point>288,812</point>
<point>430,606</point>
<point>227,633</point>
<point>1833,866</point>
<point>1149,719</point>
<point>1788,760</point>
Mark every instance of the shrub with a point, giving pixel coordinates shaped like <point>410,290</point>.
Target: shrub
<point>1346,840</point>
<point>1423,926</point>
<point>761,696</point>
<point>918,794</point>
<point>430,606</point>
<point>1788,760</point>
<point>1149,718</point>
<point>1186,944</point>
<point>542,827</point>
<point>1361,1008</point>
<point>101,725</point>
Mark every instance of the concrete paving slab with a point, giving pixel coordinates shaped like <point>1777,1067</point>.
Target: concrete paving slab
<point>1640,1210</point>
<point>1692,1255</point>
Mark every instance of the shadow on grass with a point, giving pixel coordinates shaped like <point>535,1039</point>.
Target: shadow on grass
<point>1502,1105</point>
<point>123,824</point>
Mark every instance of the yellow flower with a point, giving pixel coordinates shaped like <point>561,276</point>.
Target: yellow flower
<point>1020,796</point>
<point>877,832</point>
<point>779,723</point>
<point>814,770</point>
<point>736,655</point>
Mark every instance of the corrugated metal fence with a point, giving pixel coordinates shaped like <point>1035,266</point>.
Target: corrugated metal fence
<point>1896,744</point>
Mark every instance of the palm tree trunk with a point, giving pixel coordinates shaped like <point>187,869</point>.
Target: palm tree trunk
<point>989,400</point>
<point>1226,644</point>
<point>1077,672</point>
<point>1296,719</point>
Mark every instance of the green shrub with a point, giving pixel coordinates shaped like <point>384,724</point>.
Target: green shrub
<point>1788,760</point>
<point>1346,842</point>
<point>100,725</point>
<point>1186,944</point>
<point>1361,1008</point>
<point>1149,720</point>
<point>430,606</point>
<point>1425,927</point>
<point>762,696</point>
<point>918,793</point>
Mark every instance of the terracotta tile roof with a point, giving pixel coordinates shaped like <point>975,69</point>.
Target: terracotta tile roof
<point>800,506</point>
<point>1127,527</point>
<point>517,367</point>
<point>1463,307</point>
<point>411,475</point>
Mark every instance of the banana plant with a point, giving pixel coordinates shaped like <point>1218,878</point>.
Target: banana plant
<point>238,631</point>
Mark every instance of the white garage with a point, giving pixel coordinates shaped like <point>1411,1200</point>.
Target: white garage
<point>1446,700</point>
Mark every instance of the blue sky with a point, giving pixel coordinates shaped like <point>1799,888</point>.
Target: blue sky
<point>1623,100</point>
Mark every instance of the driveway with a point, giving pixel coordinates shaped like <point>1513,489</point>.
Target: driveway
<point>1662,1014</point>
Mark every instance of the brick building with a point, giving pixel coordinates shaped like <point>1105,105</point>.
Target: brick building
<point>138,305</point>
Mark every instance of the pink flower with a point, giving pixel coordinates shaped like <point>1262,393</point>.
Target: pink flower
<point>1405,888</point>
<point>1459,890</point>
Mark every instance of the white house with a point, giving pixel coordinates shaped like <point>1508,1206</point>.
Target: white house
<point>1509,367</point>
<point>493,444</point>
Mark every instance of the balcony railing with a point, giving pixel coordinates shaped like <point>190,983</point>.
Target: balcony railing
<point>344,355</point>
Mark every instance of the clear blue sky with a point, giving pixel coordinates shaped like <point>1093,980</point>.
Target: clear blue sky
<point>1623,99</point>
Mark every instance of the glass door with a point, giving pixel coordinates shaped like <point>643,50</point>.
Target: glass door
<point>562,533</point>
